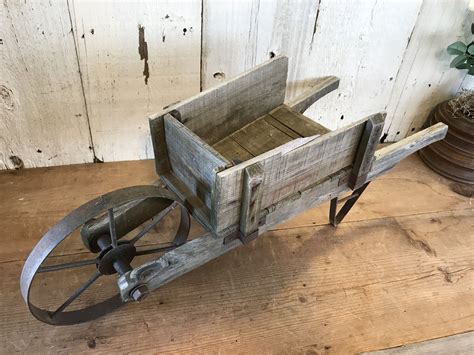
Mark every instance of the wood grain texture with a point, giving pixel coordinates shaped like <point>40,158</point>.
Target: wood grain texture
<point>365,153</point>
<point>321,87</point>
<point>297,122</point>
<point>288,169</point>
<point>42,108</point>
<point>135,57</point>
<point>192,161</point>
<point>217,112</point>
<point>252,193</point>
<point>454,344</point>
<point>391,274</point>
<point>424,78</point>
<point>387,157</point>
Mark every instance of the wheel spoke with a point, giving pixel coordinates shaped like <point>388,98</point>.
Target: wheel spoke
<point>70,265</point>
<point>154,250</point>
<point>113,233</point>
<point>77,293</point>
<point>154,222</point>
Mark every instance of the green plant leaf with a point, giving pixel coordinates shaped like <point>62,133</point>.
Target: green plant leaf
<point>458,60</point>
<point>462,66</point>
<point>457,48</point>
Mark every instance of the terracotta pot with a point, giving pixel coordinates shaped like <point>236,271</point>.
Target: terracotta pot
<point>453,157</point>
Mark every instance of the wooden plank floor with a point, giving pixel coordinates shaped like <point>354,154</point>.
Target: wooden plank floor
<point>399,270</point>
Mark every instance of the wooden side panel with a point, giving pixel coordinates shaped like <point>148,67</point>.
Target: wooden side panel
<point>191,160</point>
<point>288,169</point>
<point>217,112</point>
<point>43,115</point>
<point>136,57</point>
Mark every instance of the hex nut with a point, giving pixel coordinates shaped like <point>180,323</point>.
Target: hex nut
<point>139,293</point>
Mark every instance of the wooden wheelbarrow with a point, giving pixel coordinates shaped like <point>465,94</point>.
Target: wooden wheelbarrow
<point>240,161</point>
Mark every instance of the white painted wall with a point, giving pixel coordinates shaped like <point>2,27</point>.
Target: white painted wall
<point>73,87</point>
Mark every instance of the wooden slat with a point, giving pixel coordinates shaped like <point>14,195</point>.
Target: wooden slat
<point>299,123</point>
<point>462,344</point>
<point>162,162</point>
<point>259,137</point>
<point>192,161</point>
<point>252,193</point>
<point>217,112</point>
<point>288,169</point>
<point>365,152</point>
<point>322,87</point>
<point>277,124</point>
<point>130,68</point>
<point>387,157</point>
<point>232,150</point>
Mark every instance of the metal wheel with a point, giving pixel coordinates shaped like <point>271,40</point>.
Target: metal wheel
<point>103,223</point>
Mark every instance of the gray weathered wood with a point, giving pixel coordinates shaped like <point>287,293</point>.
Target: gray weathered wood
<point>252,193</point>
<point>460,344</point>
<point>321,88</point>
<point>232,150</point>
<point>223,109</point>
<point>297,122</point>
<point>289,168</point>
<point>337,184</point>
<point>280,126</point>
<point>192,202</point>
<point>387,157</point>
<point>192,161</point>
<point>365,152</point>
<point>177,262</point>
<point>162,163</point>
<point>259,137</point>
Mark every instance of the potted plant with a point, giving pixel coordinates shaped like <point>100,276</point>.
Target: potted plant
<point>453,157</point>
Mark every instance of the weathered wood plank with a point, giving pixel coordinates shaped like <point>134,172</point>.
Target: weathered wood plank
<point>299,123</point>
<point>162,162</point>
<point>387,157</point>
<point>196,206</point>
<point>128,54</point>
<point>252,193</point>
<point>424,78</point>
<point>42,108</point>
<point>277,124</point>
<point>217,112</point>
<point>192,160</point>
<point>259,137</point>
<point>365,152</point>
<point>289,168</point>
<point>461,344</point>
<point>321,87</point>
<point>232,150</point>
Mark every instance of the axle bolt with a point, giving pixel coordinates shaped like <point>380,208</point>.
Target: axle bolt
<point>139,293</point>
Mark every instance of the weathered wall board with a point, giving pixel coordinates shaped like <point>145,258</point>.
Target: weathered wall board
<point>424,78</point>
<point>136,57</point>
<point>361,42</point>
<point>43,120</point>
